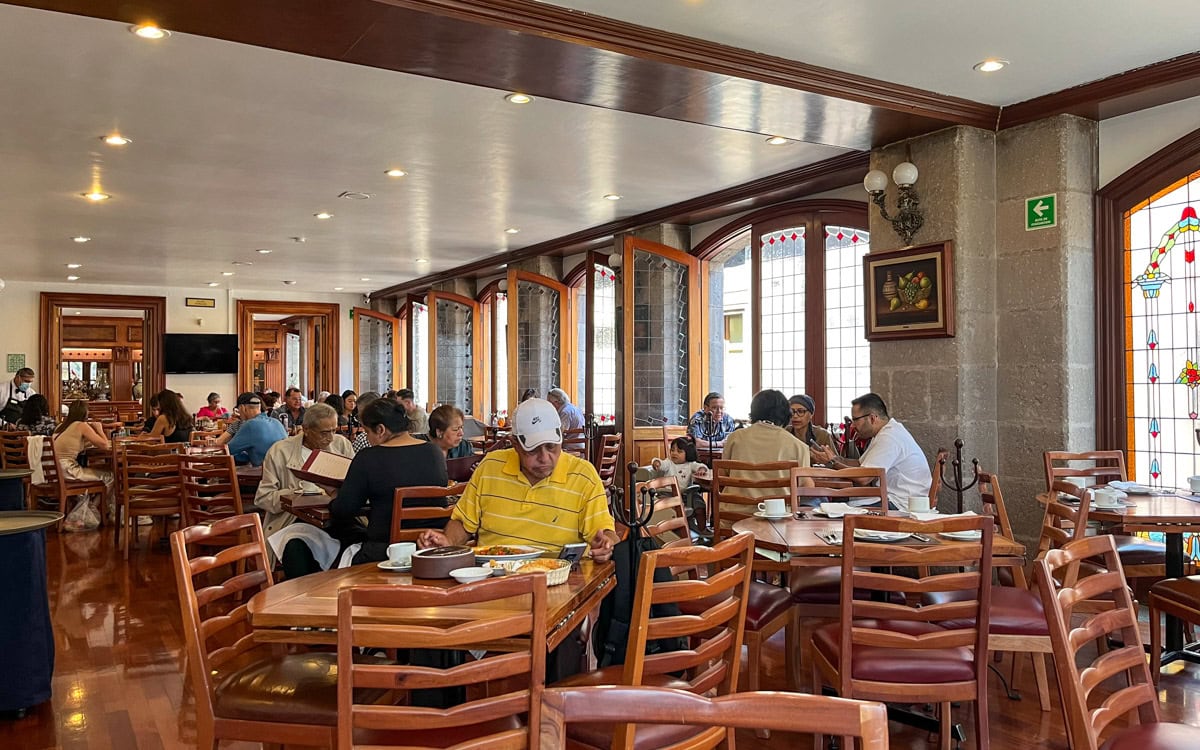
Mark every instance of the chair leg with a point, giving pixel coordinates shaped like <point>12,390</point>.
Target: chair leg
<point>791,641</point>
<point>982,739</point>
<point>946,726</point>
<point>1155,643</point>
<point>754,644</point>
<point>1043,681</point>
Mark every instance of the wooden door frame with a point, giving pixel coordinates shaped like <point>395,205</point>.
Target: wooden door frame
<point>695,343</point>
<point>154,318</point>
<point>431,300</point>
<point>567,371</point>
<point>487,348</point>
<point>247,309</point>
<point>394,322</point>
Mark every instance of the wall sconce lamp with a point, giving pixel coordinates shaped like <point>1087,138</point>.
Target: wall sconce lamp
<point>908,219</point>
<point>502,285</point>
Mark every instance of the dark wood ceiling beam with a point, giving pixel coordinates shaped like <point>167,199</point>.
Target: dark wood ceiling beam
<point>832,173</point>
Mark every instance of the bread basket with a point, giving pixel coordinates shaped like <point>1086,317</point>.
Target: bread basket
<point>437,562</point>
<point>556,571</point>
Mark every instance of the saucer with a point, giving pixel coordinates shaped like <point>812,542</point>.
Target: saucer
<point>391,567</point>
<point>1098,506</point>
<point>771,517</point>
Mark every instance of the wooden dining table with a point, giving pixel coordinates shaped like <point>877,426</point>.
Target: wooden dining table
<point>304,610</point>
<point>1173,515</point>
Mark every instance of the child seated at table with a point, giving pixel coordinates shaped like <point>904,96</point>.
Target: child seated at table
<point>682,462</point>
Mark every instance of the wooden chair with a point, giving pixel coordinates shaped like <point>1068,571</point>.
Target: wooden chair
<point>901,652</point>
<point>517,662</point>
<point>575,442</point>
<point>14,454</point>
<point>56,487</point>
<point>1090,712</point>
<point>210,488</point>
<point>737,489</point>
<point>1178,597</point>
<point>809,714</point>
<point>608,459</point>
<point>238,683</point>
<point>669,433</point>
<point>402,512</point>
<point>204,437</point>
<point>935,471</point>
<point>714,634</point>
<point>151,485</point>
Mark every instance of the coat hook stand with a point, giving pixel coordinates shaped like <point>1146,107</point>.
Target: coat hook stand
<point>957,467</point>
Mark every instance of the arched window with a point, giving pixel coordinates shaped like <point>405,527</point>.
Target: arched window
<point>786,312</point>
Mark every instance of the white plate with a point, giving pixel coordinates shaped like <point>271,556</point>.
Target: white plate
<point>880,536</point>
<point>391,567</point>
<point>971,535</point>
<point>1098,506</point>
<point>772,517</point>
<point>528,553</point>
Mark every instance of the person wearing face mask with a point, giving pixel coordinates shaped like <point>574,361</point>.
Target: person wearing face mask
<point>15,393</point>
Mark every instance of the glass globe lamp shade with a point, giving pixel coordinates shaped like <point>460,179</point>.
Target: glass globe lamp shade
<point>905,174</point>
<point>875,181</point>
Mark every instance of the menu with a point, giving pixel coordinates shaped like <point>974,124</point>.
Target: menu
<point>324,468</point>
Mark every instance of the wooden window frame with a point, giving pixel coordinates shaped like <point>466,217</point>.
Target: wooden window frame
<point>432,298</point>
<point>397,341</point>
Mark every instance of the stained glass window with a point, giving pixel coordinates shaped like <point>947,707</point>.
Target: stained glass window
<point>782,283</point>
<point>604,346</point>
<point>420,353</point>
<point>539,352</point>
<point>455,358</point>
<point>847,351</point>
<point>374,353</point>
<point>660,340</point>
<point>500,347</point>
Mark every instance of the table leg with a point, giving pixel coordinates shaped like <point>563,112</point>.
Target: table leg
<point>1174,567</point>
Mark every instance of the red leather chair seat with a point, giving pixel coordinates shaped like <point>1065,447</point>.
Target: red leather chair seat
<point>765,603</point>
<point>1136,550</point>
<point>824,586</point>
<point>300,688</point>
<point>1183,591</point>
<point>1013,612</point>
<point>1159,736</point>
<point>898,665</point>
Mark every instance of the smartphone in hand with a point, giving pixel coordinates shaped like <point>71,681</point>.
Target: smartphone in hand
<point>573,552</point>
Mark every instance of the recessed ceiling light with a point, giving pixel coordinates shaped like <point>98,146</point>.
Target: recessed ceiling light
<point>323,215</point>
<point>365,278</point>
<point>338,288</point>
<point>81,239</point>
<point>518,98</point>
<point>227,273</point>
<point>263,251</point>
<point>116,139</point>
<point>422,260</point>
<point>395,173</point>
<point>243,263</point>
<point>778,140</point>
<point>214,283</point>
<point>298,239</point>
<point>74,265</point>
<point>95,196</point>
<point>990,65</point>
<point>511,230</point>
<point>149,31</point>
<point>612,197</point>
<point>72,278</point>
<point>289,282</point>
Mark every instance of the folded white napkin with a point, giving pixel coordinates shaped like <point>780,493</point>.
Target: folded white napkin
<point>1132,487</point>
<point>933,515</point>
<point>838,510</point>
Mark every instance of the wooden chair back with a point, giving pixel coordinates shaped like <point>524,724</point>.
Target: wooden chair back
<point>739,486</point>
<point>402,512</point>
<point>1063,522</point>
<point>516,658</point>
<point>204,437</point>
<point>608,458</point>
<point>575,442</point>
<point>499,443</point>
<point>867,567</point>
<point>214,591</point>
<point>712,657</point>
<point>935,471</point>
<point>151,485</point>
<point>14,449</point>
<point>55,484</point>
<point>836,485</point>
<point>210,488</point>
<point>992,499</point>
<point>791,712</point>
<point>1088,716</point>
<point>669,433</point>
<point>1093,467</point>
<point>664,494</point>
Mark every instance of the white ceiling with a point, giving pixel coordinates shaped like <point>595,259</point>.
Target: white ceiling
<point>236,147</point>
<point>933,44</point>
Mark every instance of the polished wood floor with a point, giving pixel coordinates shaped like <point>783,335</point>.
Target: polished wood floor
<point>118,680</point>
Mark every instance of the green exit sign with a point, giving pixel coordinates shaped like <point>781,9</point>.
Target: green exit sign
<point>1041,212</point>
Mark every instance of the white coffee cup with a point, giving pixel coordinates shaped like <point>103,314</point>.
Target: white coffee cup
<point>1194,483</point>
<point>775,506</point>
<point>1106,498</point>
<point>918,504</point>
<point>308,488</point>
<point>401,553</point>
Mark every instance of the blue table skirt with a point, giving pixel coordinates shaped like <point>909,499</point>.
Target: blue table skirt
<point>26,636</point>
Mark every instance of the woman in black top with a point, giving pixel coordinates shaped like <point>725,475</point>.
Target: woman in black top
<point>394,459</point>
<point>174,421</point>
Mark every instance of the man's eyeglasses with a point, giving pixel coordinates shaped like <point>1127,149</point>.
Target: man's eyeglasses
<point>860,416</point>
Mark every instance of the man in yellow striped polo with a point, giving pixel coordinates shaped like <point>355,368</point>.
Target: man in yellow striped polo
<point>532,494</point>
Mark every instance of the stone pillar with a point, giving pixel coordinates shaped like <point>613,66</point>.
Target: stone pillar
<point>1044,280</point>
<point>942,389</point>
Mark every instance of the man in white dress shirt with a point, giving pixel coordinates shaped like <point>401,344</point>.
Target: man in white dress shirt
<point>892,449</point>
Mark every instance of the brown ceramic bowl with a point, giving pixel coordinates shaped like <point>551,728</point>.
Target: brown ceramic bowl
<point>437,562</point>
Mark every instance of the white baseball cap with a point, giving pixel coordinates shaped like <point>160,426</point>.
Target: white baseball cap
<point>535,423</point>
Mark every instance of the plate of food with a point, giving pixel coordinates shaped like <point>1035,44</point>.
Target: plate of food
<point>557,571</point>
<point>968,535</point>
<point>505,552</point>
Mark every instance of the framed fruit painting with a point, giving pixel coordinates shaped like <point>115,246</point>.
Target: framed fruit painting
<point>909,293</point>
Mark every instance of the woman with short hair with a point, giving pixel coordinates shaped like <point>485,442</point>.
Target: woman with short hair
<point>446,431</point>
<point>35,416</point>
<point>766,439</point>
<point>213,410</point>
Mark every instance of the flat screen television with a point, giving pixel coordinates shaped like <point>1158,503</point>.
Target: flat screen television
<point>200,353</point>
